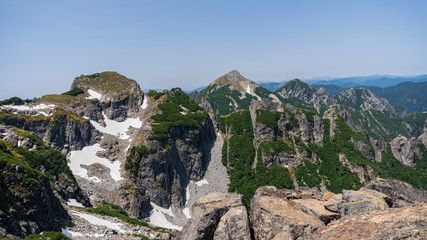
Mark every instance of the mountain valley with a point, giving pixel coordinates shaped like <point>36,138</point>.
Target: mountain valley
<point>233,161</point>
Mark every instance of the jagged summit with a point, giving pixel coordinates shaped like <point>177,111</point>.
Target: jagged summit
<point>232,91</point>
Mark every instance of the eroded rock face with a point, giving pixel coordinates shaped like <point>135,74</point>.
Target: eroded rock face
<point>273,216</point>
<point>403,223</point>
<point>207,213</point>
<point>403,150</point>
<point>363,200</point>
<point>28,204</point>
<point>120,98</point>
<point>401,193</point>
<point>234,225</point>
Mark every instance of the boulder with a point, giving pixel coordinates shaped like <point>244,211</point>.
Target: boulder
<point>234,225</point>
<point>401,193</point>
<point>403,223</point>
<point>361,201</point>
<point>273,216</point>
<point>317,208</point>
<point>206,215</point>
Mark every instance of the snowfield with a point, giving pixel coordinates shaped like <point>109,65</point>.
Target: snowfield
<point>73,202</point>
<point>94,94</point>
<point>40,108</point>
<point>87,156</point>
<point>144,103</point>
<point>115,128</point>
<point>158,218</point>
<point>99,221</point>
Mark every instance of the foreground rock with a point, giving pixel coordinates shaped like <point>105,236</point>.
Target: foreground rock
<point>401,193</point>
<point>207,213</point>
<point>273,216</point>
<point>234,225</point>
<point>362,201</point>
<point>403,223</point>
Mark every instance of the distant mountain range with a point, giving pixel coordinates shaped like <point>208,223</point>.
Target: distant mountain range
<point>348,82</point>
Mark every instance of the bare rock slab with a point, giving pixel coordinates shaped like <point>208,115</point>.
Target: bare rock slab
<point>207,213</point>
<point>273,216</point>
<point>394,223</point>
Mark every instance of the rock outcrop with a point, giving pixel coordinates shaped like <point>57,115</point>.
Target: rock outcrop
<point>401,193</point>
<point>118,96</point>
<point>402,223</point>
<point>273,216</point>
<point>219,215</point>
<point>404,150</point>
<point>363,200</point>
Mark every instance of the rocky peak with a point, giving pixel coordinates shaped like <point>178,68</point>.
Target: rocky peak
<point>237,82</point>
<point>106,83</point>
<point>118,95</point>
<point>302,91</point>
<point>364,99</point>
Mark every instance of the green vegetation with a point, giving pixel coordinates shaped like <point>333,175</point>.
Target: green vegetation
<point>244,179</point>
<point>220,97</point>
<point>112,210</point>
<point>262,92</point>
<point>338,177</point>
<point>296,83</point>
<point>13,100</point>
<point>307,175</point>
<point>13,119</point>
<point>111,82</point>
<point>268,118</point>
<point>132,161</point>
<point>74,92</point>
<point>392,168</point>
<point>178,110</point>
<point>409,95</point>
<point>155,95</point>
<point>57,98</point>
<point>47,236</point>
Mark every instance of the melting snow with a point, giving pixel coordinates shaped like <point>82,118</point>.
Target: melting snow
<point>248,89</point>
<point>87,156</point>
<point>71,233</point>
<point>144,103</point>
<point>115,128</point>
<point>186,210</point>
<point>94,94</point>
<point>99,221</point>
<point>158,218</point>
<point>39,108</point>
<point>73,202</point>
<point>202,182</point>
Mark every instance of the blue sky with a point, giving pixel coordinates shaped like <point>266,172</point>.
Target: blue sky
<point>44,45</point>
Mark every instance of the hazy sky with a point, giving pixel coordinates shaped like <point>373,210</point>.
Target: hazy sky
<point>44,45</point>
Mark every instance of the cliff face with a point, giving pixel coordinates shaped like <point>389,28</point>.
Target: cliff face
<point>168,165</point>
<point>27,203</point>
<point>34,180</point>
<point>119,97</point>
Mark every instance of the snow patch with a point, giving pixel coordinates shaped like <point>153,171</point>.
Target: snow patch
<point>40,108</point>
<point>144,103</point>
<point>87,156</point>
<point>115,128</point>
<point>70,233</point>
<point>94,94</point>
<point>202,182</point>
<point>158,218</point>
<point>99,221</point>
<point>186,212</point>
<point>73,202</point>
<point>248,89</point>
